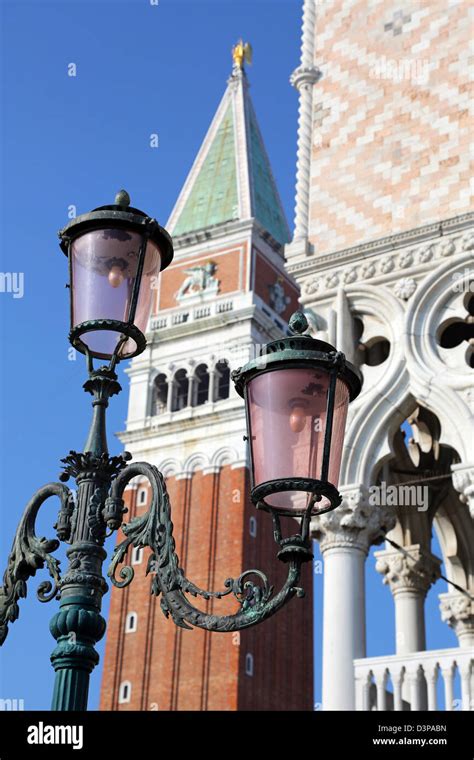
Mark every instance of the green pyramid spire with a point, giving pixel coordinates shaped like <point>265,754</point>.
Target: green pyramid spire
<point>213,197</point>
<point>231,177</point>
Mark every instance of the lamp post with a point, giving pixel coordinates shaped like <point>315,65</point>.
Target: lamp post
<point>296,396</point>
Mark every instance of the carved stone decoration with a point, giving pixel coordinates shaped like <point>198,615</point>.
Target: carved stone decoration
<point>200,280</point>
<point>409,569</point>
<point>467,242</point>
<point>332,281</point>
<point>367,270</point>
<point>425,254</point>
<point>447,248</point>
<point>312,286</point>
<point>356,523</point>
<point>405,288</point>
<point>278,298</point>
<point>406,259</point>
<point>463,482</point>
<point>457,610</point>
<point>387,264</point>
<point>350,275</point>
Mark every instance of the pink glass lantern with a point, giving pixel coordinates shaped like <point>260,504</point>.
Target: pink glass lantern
<point>115,255</point>
<point>297,396</point>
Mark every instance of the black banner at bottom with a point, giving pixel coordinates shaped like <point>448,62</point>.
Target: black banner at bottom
<point>377,734</point>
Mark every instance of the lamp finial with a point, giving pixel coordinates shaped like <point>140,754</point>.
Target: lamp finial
<point>298,323</point>
<point>122,199</point>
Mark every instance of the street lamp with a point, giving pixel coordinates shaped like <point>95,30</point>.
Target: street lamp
<point>115,253</point>
<point>296,396</point>
<point>296,393</point>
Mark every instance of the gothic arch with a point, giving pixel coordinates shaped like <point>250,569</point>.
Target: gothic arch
<point>432,381</point>
<point>371,415</point>
<point>442,510</point>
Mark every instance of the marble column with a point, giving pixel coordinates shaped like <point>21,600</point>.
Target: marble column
<point>191,381</point>
<point>410,575</point>
<point>345,536</point>
<point>213,384</point>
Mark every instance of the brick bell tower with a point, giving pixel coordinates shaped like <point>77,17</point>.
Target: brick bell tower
<point>225,294</point>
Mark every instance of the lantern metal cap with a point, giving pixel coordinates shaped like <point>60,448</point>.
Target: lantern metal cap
<point>299,350</point>
<point>119,214</point>
<point>298,323</point>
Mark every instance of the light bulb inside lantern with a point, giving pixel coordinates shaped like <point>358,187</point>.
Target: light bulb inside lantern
<point>297,418</point>
<point>115,276</point>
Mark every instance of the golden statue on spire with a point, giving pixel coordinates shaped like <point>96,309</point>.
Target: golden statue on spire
<point>242,52</point>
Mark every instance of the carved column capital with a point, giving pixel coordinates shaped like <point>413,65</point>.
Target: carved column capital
<point>463,482</point>
<point>410,570</point>
<point>457,610</point>
<point>355,524</point>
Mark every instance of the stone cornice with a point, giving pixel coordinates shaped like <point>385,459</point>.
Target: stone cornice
<point>397,265</point>
<point>315,263</point>
<point>222,231</point>
<point>177,423</point>
<point>216,321</point>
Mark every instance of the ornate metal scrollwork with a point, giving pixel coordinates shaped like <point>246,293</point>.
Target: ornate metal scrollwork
<point>155,530</point>
<point>30,553</point>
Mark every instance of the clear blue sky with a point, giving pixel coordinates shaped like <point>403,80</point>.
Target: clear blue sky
<point>141,69</point>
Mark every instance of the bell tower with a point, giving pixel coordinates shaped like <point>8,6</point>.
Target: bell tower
<point>226,294</point>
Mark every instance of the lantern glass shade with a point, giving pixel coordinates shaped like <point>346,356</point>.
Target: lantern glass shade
<point>287,415</point>
<point>104,268</point>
